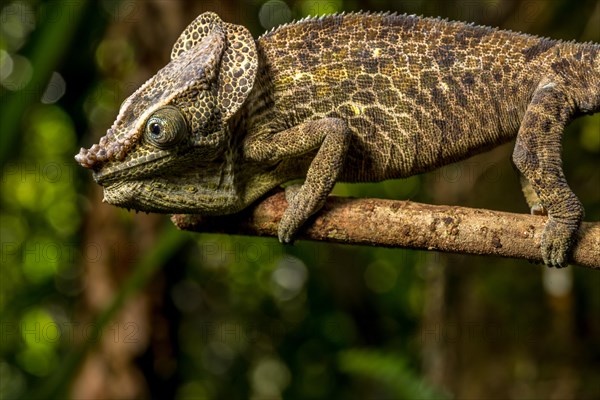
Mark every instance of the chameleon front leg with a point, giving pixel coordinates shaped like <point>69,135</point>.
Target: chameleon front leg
<point>331,137</point>
<point>537,156</point>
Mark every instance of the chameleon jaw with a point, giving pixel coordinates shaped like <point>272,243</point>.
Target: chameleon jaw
<point>167,196</point>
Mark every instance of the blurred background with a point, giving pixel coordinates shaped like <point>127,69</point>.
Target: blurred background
<point>97,302</point>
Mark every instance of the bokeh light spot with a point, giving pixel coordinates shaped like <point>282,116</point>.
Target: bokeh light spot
<point>274,13</point>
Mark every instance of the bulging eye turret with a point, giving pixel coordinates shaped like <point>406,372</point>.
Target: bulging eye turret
<point>166,127</point>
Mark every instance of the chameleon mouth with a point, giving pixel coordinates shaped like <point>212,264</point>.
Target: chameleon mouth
<point>121,194</point>
<point>129,170</point>
<point>103,177</point>
<point>100,177</point>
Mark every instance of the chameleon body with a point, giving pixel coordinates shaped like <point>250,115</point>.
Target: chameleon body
<point>347,97</point>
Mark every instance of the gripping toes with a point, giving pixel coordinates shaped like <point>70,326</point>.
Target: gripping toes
<point>288,226</point>
<point>557,241</point>
<point>301,205</point>
<point>290,221</point>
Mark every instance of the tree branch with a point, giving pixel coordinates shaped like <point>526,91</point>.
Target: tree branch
<point>393,223</point>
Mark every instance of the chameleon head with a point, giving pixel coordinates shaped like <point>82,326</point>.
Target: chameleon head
<point>170,136</point>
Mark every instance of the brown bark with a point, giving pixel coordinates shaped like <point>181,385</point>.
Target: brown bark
<point>393,223</point>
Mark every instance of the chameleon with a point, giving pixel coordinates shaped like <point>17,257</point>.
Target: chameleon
<point>358,97</point>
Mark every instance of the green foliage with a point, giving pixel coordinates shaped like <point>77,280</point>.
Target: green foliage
<point>590,139</point>
<point>59,18</point>
<point>56,386</point>
<point>392,372</point>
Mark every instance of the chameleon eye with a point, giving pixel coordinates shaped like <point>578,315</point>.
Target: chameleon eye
<point>166,127</point>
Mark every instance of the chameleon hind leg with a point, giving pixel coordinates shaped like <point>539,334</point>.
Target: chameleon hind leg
<point>537,157</point>
<point>330,138</point>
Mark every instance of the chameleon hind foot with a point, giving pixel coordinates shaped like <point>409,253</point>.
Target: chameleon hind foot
<point>557,242</point>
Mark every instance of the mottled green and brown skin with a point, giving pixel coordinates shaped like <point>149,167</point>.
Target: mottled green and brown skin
<point>357,97</point>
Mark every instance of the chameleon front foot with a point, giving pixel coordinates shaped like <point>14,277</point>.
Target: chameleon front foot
<point>557,241</point>
<point>300,207</point>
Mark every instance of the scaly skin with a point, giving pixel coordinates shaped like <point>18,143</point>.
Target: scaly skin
<point>357,97</point>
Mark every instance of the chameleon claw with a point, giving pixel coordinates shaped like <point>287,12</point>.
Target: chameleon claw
<point>284,236</point>
<point>538,209</point>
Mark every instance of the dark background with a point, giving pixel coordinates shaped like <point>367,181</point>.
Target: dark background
<point>98,302</point>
